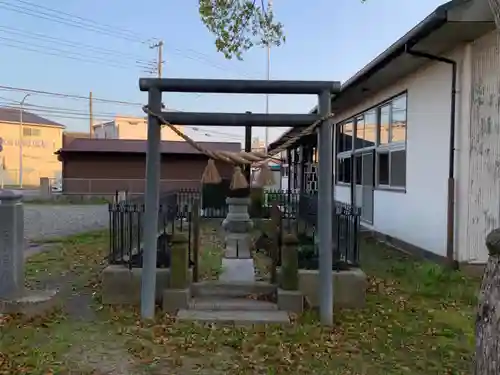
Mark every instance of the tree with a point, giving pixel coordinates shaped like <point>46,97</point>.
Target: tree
<point>239,25</point>
<point>488,312</point>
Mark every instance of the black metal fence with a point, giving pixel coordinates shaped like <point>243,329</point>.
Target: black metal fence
<point>126,224</point>
<point>126,227</point>
<point>345,230</point>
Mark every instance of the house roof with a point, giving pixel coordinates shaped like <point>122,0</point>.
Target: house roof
<point>139,146</point>
<point>448,26</point>
<point>76,134</point>
<point>13,115</point>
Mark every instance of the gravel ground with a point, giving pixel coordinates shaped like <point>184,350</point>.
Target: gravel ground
<point>45,221</point>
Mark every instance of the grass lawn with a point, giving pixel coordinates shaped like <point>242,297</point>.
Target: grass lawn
<point>418,320</point>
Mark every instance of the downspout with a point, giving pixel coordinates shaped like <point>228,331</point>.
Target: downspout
<point>450,222</point>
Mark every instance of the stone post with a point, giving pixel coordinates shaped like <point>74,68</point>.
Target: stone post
<point>179,262</point>
<point>178,294</point>
<point>14,298</point>
<point>290,263</point>
<point>45,190</point>
<point>11,245</point>
<point>237,226</point>
<point>289,296</point>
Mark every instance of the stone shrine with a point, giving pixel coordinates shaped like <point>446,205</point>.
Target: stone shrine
<point>237,264</point>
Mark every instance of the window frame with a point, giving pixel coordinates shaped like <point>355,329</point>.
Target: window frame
<point>29,131</point>
<point>379,148</point>
<point>342,156</point>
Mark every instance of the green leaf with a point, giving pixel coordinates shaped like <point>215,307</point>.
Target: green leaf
<point>239,25</point>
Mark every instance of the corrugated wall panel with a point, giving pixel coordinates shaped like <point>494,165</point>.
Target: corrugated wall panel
<point>484,145</point>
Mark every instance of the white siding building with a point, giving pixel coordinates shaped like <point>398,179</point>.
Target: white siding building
<point>418,136</point>
<point>400,108</point>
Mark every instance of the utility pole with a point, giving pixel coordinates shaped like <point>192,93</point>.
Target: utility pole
<point>21,140</point>
<point>268,73</point>
<point>91,117</point>
<point>159,61</point>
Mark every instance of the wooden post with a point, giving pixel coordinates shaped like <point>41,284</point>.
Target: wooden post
<point>179,262</point>
<point>196,239</point>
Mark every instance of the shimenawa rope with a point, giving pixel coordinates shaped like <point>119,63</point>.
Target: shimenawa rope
<point>258,159</point>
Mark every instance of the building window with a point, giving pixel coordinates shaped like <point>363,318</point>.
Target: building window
<point>383,168</point>
<point>398,169</point>
<point>370,135</point>
<point>344,169</point>
<point>383,128</point>
<point>31,132</point>
<point>385,121</point>
<point>358,167</point>
<point>344,136</point>
<point>360,132</point>
<point>391,168</point>
<point>398,120</point>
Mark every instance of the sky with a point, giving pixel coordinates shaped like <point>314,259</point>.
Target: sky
<point>77,46</point>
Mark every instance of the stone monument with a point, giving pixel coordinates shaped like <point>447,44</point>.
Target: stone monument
<point>14,298</point>
<point>237,264</point>
<point>45,189</point>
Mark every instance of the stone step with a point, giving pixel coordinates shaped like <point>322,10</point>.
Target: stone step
<point>228,304</point>
<point>235,317</point>
<point>231,289</point>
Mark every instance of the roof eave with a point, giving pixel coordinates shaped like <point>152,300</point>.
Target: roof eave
<point>430,24</point>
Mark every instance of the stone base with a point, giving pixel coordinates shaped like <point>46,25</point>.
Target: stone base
<point>291,300</point>
<point>349,288</point>
<point>121,286</point>
<point>176,299</point>
<point>31,303</point>
<point>238,318</point>
<point>237,245</point>
<point>237,270</point>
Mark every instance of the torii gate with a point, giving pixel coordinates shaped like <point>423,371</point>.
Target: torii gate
<point>324,91</point>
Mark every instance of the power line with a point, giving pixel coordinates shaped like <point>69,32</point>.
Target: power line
<point>66,54</point>
<point>9,100</point>
<point>93,26</point>
<point>77,114</point>
<point>70,96</point>
<point>85,25</point>
<point>54,110</point>
<point>83,19</point>
<point>73,44</point>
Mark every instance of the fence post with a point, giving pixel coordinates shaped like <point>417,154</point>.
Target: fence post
<point>290,263</point>
<point>196,239</point>
<point>179,261</point>
<point>275,248</point>
<point>289,296</point>
<point>178,294</point>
